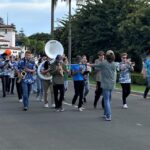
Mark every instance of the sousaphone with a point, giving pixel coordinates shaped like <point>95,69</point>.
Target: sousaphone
<point>52,49</point>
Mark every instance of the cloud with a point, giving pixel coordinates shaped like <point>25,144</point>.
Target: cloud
<point>32,15</point>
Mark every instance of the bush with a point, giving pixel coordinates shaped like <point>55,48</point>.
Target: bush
<point>136,78</point>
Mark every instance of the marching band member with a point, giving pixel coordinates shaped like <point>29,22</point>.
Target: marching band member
<point>26,69</point>
<point>146,72</point>
<point>18,84</point>
<point>4,64</point>
<point>65,61</point>
<point>39,83</point>
<point>12,65</point>
<point>57,70</point>
<point>98,91</point>
<point>47,84</point>
<point>86,78</point>
<point>125,67</point>
<point>78,79</point>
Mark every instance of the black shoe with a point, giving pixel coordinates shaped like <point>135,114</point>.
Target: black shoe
<point>94,105</point>
<point>25,108</point>
<point>84,100</point>
<point>144,96</point>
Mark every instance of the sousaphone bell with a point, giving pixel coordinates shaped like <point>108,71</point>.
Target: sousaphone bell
<point>52,49</point>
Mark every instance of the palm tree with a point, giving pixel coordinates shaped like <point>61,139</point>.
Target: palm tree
<point>53,4</point>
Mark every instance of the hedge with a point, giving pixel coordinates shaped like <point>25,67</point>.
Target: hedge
<point>136,78</point>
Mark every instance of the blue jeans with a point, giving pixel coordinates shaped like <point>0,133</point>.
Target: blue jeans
<point>86,88</point>
<point>107,100</point>
<point>39,87</point>
<point>26,88</point>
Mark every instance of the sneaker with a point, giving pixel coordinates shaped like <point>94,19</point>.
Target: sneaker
<point>42,100</point>
<point>75,106</point>
<point>80,109</point>
<point>57,110</point>
<point>84,100</point>
<point>25,108</point>
<point>53,105</point>
<point>46,105</point>
<point>125,106</point>
<point>38,98</point>
<point>61,109</point>
<point>20,100</point>
<point>107,119</point>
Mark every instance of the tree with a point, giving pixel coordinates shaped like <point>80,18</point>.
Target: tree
<point>69,28</point>
<point>53,4</point>
<point>105,24</point>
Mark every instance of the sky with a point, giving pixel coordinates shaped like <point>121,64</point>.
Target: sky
<point>33,16</point>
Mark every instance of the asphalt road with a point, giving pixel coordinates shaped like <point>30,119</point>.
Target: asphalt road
<point>44,129</point>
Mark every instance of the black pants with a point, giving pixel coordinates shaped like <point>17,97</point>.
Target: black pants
<point>11,85</point>
<point>19,89</point>
<point>126,89</point>
<point>98,93</point>
<point>78,87</point>
<point>146,91</point>
<point>58,89</point>
<point>3,79</point>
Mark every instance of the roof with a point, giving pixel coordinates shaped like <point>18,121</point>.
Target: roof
<point>12,48</point>
<point>2,40</point>
<point>2,36</point>
<point>7,26</point>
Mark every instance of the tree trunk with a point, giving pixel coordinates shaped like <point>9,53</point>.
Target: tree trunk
<point>69,34</point>
<point>52,19</point>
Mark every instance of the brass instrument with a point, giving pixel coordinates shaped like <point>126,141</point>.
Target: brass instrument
<point>52,49</point>
<point>60,69</point>
<point>22,76</point>
<point>23,72</point>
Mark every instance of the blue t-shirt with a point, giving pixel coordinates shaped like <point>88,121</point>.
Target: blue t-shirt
<point>147,67</point>
<point>77,68</point>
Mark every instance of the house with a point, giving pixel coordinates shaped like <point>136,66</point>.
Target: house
<point>8,38</point>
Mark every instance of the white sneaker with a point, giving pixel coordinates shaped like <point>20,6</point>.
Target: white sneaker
<point>46,105</point>
<point>62,109</point>
<point>53,105</point>
<point>20,100</point>
<point>42,100</point>
<point>38,98</point>
<point>80,109</point>
<point>125,106</point>
<point>75,106</point>
<point>108,119</point>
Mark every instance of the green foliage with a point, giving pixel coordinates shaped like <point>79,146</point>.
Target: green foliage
<point>136,78</point>
<point>120,25</point>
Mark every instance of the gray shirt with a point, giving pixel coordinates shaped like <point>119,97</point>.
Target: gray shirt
<point>108,74</point>
<point>97,71</point>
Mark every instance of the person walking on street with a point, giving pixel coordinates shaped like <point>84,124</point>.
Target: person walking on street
<point>108,81</point>
<point>98,91</point>
<point>125,67</point>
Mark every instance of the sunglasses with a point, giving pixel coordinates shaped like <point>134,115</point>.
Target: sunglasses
<point>124,57</point>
